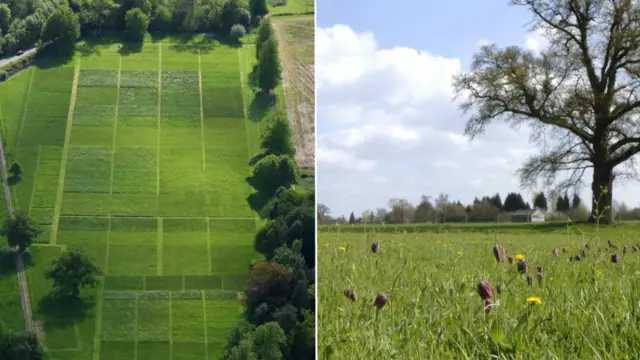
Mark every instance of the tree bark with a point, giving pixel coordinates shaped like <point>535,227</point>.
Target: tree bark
<point>602,189</point>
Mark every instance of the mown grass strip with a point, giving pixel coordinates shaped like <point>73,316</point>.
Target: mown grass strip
<point>65,154</point>
<point>204,323</point>
<point>115,124</point>
<point>159,248</point>
<point>97,330</point>
<point>25,103</point>
<point>201,109</point>
<point>159,116</point>
<point>35,179</point>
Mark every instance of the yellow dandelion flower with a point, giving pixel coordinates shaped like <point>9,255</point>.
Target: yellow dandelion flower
<point>519,257</point>
<point>342,248</point>
<point>534,300</point>
<point>459,253</point>
<point>550,279</point>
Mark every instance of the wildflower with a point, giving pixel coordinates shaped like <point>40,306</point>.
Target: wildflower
<point>342,248</point>
<point>381,300</point>
<point>570,258</point>
<point>615,258</point>
<point>487,305</point>
<point>499,253</point>
<point>624,249</point>
<point>499,288</point>
<point>510,259</point>
<point>587,246</point>
<point>540,278</point>
<point>584,254</point>
<point>519,257</point>
<point>550,279</point>
<point>529,280</point>
<point>564,251</point>
<point>534,300</point>
<point>556,253</point>
<point>459,253</point>
<point>523,267</point>
<point>485,290</point>
<point>539,269</point>
<point>350,294</point>
<point>577,257</point>
<point>375,247</point>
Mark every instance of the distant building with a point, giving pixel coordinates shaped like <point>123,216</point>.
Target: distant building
<point>535,215</point>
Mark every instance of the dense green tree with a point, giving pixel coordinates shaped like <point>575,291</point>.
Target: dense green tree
<point>16,169</point>
<point>352,218</point>
<point>268,285</point>
<point>566,203</point>
<point>237,32</point>
<point>62,31</point>
<point>19,345</point>
<point>514,202</point>
<point>5,18</point>
<point>235,12</point>
<point>21,231</point>
<point>265,32</point>
<point>576,201</point>
<point>302,340</point>
<point>71,271</point>
<point>289,257</point>
<point>540,202</point>
<point>161,22</point>
<point>258,8</point>
<point>270,342</point>
<point>273,172</point>
<point>269,69</point>
<point>137,25</point>
<point>96,12</point>
<point>276,136</point>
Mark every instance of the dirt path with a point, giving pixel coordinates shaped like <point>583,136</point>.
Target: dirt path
<point>298,85</point>
<point>24,289</point>
<point>9,60</point>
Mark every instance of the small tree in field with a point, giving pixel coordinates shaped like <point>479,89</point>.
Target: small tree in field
<point>71,271</point>
<point>16,169</point>
<point>20,231</point>
<point>269,70</point>
<point>276,138</point>
<point>62,31</point>
<point>265,31</point>
<point>19,345</point>
<point>237,32</point>
<point>137,25</point>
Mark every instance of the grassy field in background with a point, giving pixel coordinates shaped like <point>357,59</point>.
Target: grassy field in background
<point>291,7</point>
<point>139,158</point>
<point>590,308</point>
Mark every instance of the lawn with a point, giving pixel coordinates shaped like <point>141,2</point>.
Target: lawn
<point>589,308</point>
<point>290,7</point>
<point>140,160</point>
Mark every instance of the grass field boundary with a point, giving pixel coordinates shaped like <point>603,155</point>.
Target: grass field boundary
<point>115,124</point>
<point>170,329</point>
<point>201,110</point>
<point>160,245</point>
<point>155,217</point>
<point>244,105</point>
<point>35,179</point>
<point>209,246</point>
<point>204,325</point>
<point>25,105</point>
<point>159,117</point>
<point>97,330</point>
<point>65,154</point>
<point>135,329</point>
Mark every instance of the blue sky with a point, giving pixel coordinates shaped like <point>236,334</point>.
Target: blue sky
<point>386,124</point>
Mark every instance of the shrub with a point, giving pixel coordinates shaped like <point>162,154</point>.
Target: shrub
<point>3,75</point>
<point>238,31</point>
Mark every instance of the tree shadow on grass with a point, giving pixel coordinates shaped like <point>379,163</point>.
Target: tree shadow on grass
<point>261,105</point>
<point>14,180</point>
<point>63,311</point>
<point>257,201</point>
<point>50,61</point>
<point>189,43</point>
<point>8,260</point>
<point>128,48</point>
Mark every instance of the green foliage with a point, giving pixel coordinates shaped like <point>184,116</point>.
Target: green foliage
<point>16,169</point>
<point>273,172</point>
<point>258,8</point>
<point>96,12</point>
<point>270,342</point>
<point>276,137</point>
<point>137,25</point>
<point>237,32</point>
<point>235,12</point>
<point>267,285</point>
<point>71,271</point>
<point>20,231</point>
<point>62,30</point>
<point>265,31</point>
<point>19,345</point>
<point>5,18</point>
<point>540,201</point>
<point>269,70</point>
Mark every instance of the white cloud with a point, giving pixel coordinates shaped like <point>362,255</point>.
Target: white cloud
<point>536,40</point>
<point>387,127</point>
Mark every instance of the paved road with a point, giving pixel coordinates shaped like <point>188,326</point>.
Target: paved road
<point>6,61</point>
<point>24,290</point>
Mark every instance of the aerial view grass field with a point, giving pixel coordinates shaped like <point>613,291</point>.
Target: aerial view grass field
<point>140,159</point>
<point>584,308</point>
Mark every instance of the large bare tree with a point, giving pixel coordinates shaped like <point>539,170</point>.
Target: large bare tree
<point>580,95</point>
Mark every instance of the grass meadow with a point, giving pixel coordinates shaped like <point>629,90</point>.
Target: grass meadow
<point>290,7</point>
<point>590,309</point>
<point>140,159</point>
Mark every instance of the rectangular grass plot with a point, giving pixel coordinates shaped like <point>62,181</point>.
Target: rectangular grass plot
<point>180,98</point>
<point>47,132</point>
<point>117,350</point>
<point>156,351</point>
<point>153,320</point>
<point>135,170</point>
<point>98,78</point>
<point>88,170</point>
<point>123,283</point>
<point>168,283</point>
<point>118,320</point>
<point>94,115</point>
<point>96,96</point>
<point>223,102</point>
<point>185,253</point>
<point>180,80</point>
<point>48,105</point>
<point>188,321</point>
<point>139,96</point>
<point>136,78</point>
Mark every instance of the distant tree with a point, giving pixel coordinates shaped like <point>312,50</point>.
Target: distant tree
<point>566,203</point>
<point>269,71</point>
<point>273,172</point>
<point>258,8</point>
<point>62,31</point>
<point>540,202</point>
<point>514,202</point>
<point>289,257</point>
<point>268,284</point>
<point>161,22</point>
<point>265,32</point>
<point>5,18</point>
<point>242,331</point>
<point>16,169</point>
<point>276,136</point>
<point>19,345</point>
<point>237,32</point>
<point>270,342</point>
<point>20,231</point>
<point>137,25</point>
<point>352,218</point>
<point>323,212</point>
<point>71,271</point>
<point>424,211</point>
<point>576,201</point>
<point>97,12</point>
<point>235,12</point>
<point>496,201</point>
<point>483,211</point>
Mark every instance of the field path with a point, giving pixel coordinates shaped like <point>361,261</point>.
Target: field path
<point>22,281</point>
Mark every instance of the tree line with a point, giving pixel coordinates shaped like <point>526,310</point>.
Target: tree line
<point>482,209</point>
<point>22,23</point>
<point>279,317</point>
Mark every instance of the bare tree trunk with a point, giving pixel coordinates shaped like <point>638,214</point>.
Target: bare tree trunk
<point>602,189</point>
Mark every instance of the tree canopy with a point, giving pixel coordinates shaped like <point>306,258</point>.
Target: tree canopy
<point>579,95</point>
<point>137,25</point>
<point>71,271</point>
<point>269,70</point>
<point>21,231</point>
<point>62,31</point>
